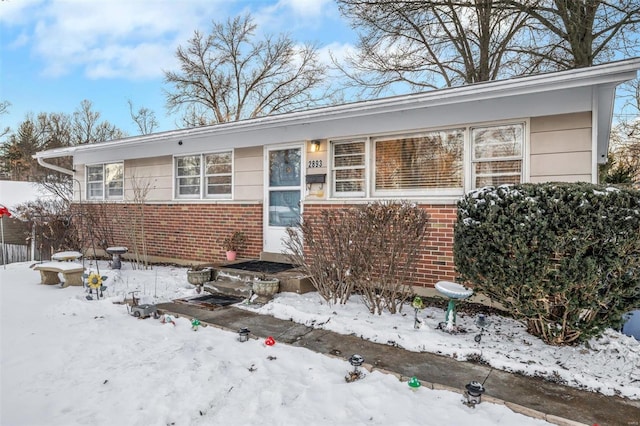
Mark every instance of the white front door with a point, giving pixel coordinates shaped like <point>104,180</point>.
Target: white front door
<point>283,186</point>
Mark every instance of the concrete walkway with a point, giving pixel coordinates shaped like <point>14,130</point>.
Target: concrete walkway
<point>531,396</point>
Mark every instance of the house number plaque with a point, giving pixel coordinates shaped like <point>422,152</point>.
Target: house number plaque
<point>314,164</point>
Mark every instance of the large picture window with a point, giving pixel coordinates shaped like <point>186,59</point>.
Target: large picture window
<point>497,153</point>
<point>440,162</point>
<point>204,175</point>
<point>105,181</point>
<point>420,162</point>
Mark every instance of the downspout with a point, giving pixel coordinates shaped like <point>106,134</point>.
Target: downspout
<point>54,167</point>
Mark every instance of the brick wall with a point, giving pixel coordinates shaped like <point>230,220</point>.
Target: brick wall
<point>186,233</point>
<point>190,233</point>
<point>436,259</point>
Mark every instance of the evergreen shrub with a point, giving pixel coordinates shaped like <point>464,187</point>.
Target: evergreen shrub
<point>564,258</point>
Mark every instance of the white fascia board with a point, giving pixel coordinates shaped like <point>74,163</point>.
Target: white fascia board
<point>606,98</point>
<point>165,143</point>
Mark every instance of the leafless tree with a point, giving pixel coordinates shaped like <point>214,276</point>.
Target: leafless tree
<point>48,131</point>
<point>431,44</point>
<point>87,127</point>
<point>230,75</point>
<point>575,34</point>
<point>423,44</point>
<point>4,109</point>
<point>624,153</point>
<point>144,118</point>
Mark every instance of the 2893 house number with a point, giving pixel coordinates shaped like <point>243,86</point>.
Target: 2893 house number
<point>314,164</point>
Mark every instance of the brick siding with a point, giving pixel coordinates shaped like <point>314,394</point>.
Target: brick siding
<point>436,259</point>
<point>190,233</point>
<point>187,233</point>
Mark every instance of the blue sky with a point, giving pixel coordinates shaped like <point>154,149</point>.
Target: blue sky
<point>56,53</point>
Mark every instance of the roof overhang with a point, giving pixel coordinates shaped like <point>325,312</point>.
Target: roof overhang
<point>599,82</point>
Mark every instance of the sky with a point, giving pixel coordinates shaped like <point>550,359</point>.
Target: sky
<point>161,371</point>
<point>56,53</point>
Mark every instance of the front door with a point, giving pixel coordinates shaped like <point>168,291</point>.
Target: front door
<point>283,179</point>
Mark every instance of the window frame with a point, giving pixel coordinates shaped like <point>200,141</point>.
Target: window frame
<point>472,152</point>
<point>202,177</point>
<point>449,194</point>
<point>424,192</point>
<point>365,166</point>
<point>104,184</point>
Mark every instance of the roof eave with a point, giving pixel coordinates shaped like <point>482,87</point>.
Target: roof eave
<point>607,74</point>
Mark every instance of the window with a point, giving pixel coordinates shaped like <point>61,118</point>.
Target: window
<point>441,162</point>
<point>420,162</point>
<point>204,176</point>
<point>497,155</point>
<point>105,181</point>
<point>218,174</point>
<point>348,168</point>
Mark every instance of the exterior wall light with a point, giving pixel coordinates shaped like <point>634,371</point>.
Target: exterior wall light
<point>315,145</point>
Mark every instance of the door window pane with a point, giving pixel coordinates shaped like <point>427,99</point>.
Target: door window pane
<point>284,167</point>
<point>284,208</point>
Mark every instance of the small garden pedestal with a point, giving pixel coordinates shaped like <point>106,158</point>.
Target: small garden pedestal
<point>453,292</point>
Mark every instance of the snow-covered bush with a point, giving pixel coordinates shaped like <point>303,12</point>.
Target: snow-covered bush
<point>563,257</point>
<point>371,249</point>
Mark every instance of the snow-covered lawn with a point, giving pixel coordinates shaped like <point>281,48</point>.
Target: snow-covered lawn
<point>67,360</point>
<point>609,365</point>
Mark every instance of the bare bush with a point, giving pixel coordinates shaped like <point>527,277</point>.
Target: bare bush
<point>136,230</point>
<point>386,246</point>
<point>371,249</point>
<point>321,248</point>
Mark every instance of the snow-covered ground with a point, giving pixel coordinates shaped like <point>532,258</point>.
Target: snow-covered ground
<point>66,360</point>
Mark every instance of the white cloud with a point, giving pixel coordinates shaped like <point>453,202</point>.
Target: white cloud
<point>306,8</point>
<point>115,38</point>
<point>336,50</point>
<point>137,38</point>
<point>17,12</point>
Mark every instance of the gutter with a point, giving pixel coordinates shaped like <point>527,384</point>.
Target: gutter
<point>54,167</point>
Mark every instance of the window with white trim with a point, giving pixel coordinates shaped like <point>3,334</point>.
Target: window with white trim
<point>349,168</point>
<point>105,181</point>
<point>497,153</point>
<point>420,162</point>
<point>204,175</point>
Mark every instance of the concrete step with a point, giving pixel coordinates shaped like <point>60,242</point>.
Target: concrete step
<point>236,281</point>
